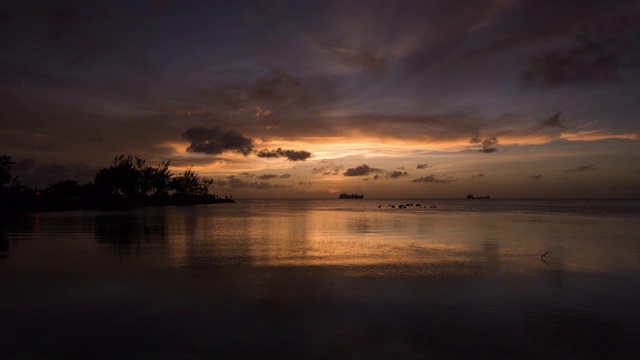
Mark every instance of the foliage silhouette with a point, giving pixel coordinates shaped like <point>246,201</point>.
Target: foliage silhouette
<point>127,183</point>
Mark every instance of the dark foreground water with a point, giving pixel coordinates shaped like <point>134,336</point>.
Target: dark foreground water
<point>325,279</point>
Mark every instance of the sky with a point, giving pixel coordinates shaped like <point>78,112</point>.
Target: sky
<point>308,99</point>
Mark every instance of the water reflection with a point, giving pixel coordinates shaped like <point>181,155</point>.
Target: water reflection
<point>491,243</point>
<point>581,334</point>
<point>263,280</point>
<point>5,244</point>
<point>123,231</point>
<point>12,229</point>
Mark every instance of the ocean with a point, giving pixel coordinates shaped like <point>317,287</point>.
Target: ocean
<point>317,279</point>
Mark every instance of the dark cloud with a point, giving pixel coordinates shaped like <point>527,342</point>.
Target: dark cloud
<point>23,165</point>
<point>292,155</point>
<point>456,20</point>
<point>453,125</point>
<point>396,174</point>
<point>480,178</point>
<point>267,176</point>
<point>279,85</point>
<point>264,7</point>
<point>583,168</point>
<point>44,174</point>
<point>284,176</point>
<point>329,169</point>
<point>385,175</point>
<point>435,179</point>
<point>361,170</point>
<point>305,183</point>
<point>215,141</point>
<point>423,166</point>
<point>553,121</point>
<point>77,29</point>
<point>366,59</point>
<point>536,177</point>
<point>595,56</point>
<point>489,145</point>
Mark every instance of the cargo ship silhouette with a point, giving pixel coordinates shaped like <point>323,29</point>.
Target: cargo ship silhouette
<point>478,197</point>
<point>352,196</point>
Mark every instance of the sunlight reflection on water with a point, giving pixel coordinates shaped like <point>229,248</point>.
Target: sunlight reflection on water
<point>318,279</point>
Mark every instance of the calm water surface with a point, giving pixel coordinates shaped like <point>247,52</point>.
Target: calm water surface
<point>451,279</point>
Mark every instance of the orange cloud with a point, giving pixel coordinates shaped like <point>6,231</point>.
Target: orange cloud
<point>595,135</point>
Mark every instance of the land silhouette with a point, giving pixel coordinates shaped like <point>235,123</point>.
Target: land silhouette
<point>125,184</point>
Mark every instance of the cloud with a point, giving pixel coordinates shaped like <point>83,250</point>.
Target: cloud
<point>358,58</point>
<point>362,170</point>
<point>385,175</point>
<point>329,169</point>
<point>267,176</point>
<point>479,178</point>
<point>23,165</point>
<point>536,177</point>
<point>292,155</point>
<point>597,134</point>
<point>553,121</point>
<point>489,145</point>
<point>234,182</point>
<point>305,183</point>
<point>594,57</point>
<point>396,174</point>
<point>435,179</point>
<point>279,85</point>
<point>583,168</point>
<point>42,175</point>
<point>263,8</point>
<point>423,166</point>
<point>264,176</point>
<point>431,127</point>
<point>215,141</point>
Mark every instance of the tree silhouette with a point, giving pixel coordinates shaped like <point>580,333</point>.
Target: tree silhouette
<point>157,180</point>
<point>190,184</point>
<point>127,183</point>
<point>13,195</point>
<point>124,178</point>
<point>5,170</point>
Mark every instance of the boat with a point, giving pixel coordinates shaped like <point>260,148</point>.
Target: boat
<point>480,197</point>
<point>352,196</point>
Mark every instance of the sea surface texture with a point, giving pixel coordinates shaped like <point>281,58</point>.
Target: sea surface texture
<point>325,279</point>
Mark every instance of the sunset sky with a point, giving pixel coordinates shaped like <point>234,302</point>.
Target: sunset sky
<point>415,99</point>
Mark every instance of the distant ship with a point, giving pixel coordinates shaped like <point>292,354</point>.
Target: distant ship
<point>481,197</point>
<point>352,196</point>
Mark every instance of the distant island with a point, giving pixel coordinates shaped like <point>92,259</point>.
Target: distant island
<point>352,196</point>
<point>126,184</point>
<point>479,197</point>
